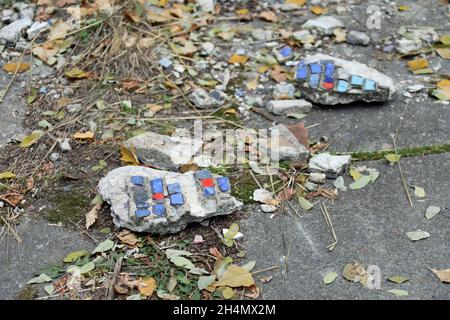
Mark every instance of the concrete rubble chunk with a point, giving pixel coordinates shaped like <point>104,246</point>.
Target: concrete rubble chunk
<point>324,24</point>
<point>289,148</point>
<point>330,164</point>
<point>12,32</point>
<point>358,38</point>
<point>162,151</point>
<point>285,107</point>
<point>129,191</point>
<point>327,80</point>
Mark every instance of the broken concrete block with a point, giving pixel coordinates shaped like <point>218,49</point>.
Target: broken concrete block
<point>358,38</point>
<point>161,202</point>
<point>289,148</point>
<point>323,24</point>
<point>327,80</point>
<point>164,152</point>
<point>329,164</point>
<point>12,32</point>
<point>285,107</point>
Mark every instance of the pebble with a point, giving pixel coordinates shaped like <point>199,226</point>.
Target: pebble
<point>54,157</point>
<point>64,145</point>
<point>358,38</point>
<point>267,208</point>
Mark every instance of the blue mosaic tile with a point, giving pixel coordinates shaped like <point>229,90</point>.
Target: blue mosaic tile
<point>142,205</point>
<point>357,81</point>
<point>369,85</point>
<point>173,188</point>
<point>142,213</point>
<point>157,185</point>
<point>209,191</point>
<point>203,174</point>
<point>224,184</point>
<point>302,72</point>
<point>286,51</point>
<point>316,68</point>
<point>176,199</point>
<point>314,80</point>
<point>329,72</point>
<point>342,86</point>
<point>159,210</point>
<point>137,180</point>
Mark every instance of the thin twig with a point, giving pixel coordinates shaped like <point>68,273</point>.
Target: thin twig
<point>402,176</point>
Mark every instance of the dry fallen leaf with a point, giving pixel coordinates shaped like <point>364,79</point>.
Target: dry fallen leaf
<point>443,275</point>
<point>300,132</point>
<point>236,58</point>
<point>147,286</point>
<point>88,135</point>
<point>13,66</point>
<point>76,73</point>
<point>129,155</point>
<point>278,74</point>
<point>444,52</point>
<point>252,292</point>
<point>317,10</point>
<point>92,215</point>
<point>59,30</point>
<point>417,64</point>
<point>252,85</point>
<point>266,279</point>
<point>235,276</point>
<point>296,2</point>
<point>127,237</point>
<point>268,16</point>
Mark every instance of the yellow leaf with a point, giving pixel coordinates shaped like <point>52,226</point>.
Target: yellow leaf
<point>59,30</point>
<point>228,292</point>
<point>317,10</point>
<point>444,52</point>
<point>403,8</point>
<point>242,12</point>
<point>88,135</point>
<point>355,174</point>
<point>393,158</point>
<point>252,85</point>
<point>263,69</point>
<point>154,108</point>
<point>31,139</point>
<point>13,66</point>
<point>147,286</point>
<point>417,64</point>
<point>76,73</point>
<point>235,276</point>
<point>296,2</point>
<point>128,156</point>
<point>443,84</point>
<point>230,111</point>
<point>7,175</point>
<point>236,58</point>
<point>445,39</point>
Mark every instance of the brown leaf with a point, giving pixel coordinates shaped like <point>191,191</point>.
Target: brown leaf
<point>443,275</point>
<point>127,237</point>
<point>300,132</point>
<point>254,292</point>
<point>278,74</point>
<point>92,215</point>
<point>268,16</point>
<point>129,155</point>
<point>88,135</point>
<point>12,198</point>
<point>13,66</point>
<point>147,286</point>
<point>286,194</point>
<point>30,184</point>
<point>46,51</point>
<point>215,252</point>
<point>188,167</point>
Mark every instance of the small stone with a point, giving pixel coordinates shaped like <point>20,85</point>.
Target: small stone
<point>262,35</point>
<point>36,27</point>
<point>72,108</point>
<point>285,107</point>
<point>27,12</point>
<point>404,46</point>
<point>310,186</point>
<point>64,145</point>
<point>165,62</point>
<point>208,47</point>
<point>7,15</point>
<point>329,164</point>
<point>286,145</point>
<point>201,98</point>
<point>262,195</point>
<point>324,24</point>
<point>12,32</point>
<point>198,239</point>
<point>304,36</point>
<point>317,177</point>
<point>267,208</point>
<point>416,88</point>
<point>2,204</point>
<point>54,157</point>
<point>254,101</point>
<point>21,45</point>
<point>358,38</point>
<point>284,91</point>
<point>207,5</point>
